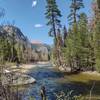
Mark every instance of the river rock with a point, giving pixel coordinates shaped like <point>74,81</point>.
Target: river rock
<point>15,79</point>
<point>65,69</point>
<point>23,80</point>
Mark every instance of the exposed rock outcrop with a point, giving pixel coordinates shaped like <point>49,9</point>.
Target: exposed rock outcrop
<point>40,52</point>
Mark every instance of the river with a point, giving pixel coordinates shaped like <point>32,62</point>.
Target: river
<point>54,82</point>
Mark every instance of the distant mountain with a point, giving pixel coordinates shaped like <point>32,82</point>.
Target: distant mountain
<point>24,49</point>
<point>11,30</point>
<point>20,47</point>
<point>36,45</point>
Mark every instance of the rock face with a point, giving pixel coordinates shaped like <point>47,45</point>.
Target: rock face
<point>13,32</point>
<point>40,52</point>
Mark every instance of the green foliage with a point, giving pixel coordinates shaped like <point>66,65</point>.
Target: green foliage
<point>5,49</point>
<point>82,50</point>
<point>52,15</point>
<point>79,53</point>
<point>12,50</point>
<point>96,35</point>
<point>79,48</point>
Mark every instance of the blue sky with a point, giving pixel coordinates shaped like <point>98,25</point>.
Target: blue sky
<point>29,16</point>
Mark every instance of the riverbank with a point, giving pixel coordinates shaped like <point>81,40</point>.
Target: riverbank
<point>87,77</point>
<point>25,68</point>
<point>19,73</point>
<point>77,77</point>
<point>91,73</point>
<point>55,80</point>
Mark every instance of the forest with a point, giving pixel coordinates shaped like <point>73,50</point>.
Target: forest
<point>76,46</point>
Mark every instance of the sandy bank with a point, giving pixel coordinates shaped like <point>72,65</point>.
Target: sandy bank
<point>95,73</point>
<point>24,68</point>
<point>20,76</point>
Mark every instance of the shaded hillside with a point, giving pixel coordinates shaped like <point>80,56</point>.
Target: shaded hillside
<point>14,46</point>
<point>13,40</point>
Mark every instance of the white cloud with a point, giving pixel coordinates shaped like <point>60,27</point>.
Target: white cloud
<point>34,3</point>
<point>38,25</point>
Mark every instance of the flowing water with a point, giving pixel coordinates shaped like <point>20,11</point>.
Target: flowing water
<point>54,82</point>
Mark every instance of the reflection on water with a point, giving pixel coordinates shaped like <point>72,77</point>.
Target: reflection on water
<point>54,82</point>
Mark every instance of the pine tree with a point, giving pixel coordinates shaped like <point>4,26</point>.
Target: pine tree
<point>53,14</point>
<point>97,34</point>
<point>75,40</point>
<point>69,50</point>
<point>86,52</point>
<point>64,35</point>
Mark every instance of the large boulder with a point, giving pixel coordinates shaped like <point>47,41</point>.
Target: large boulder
<point>15,78</point>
